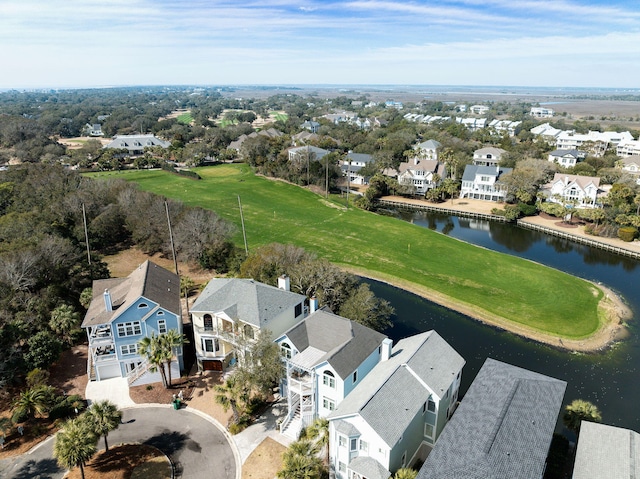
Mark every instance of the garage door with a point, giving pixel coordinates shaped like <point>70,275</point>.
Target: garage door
<point>108,371</point>
<point>212,365</point>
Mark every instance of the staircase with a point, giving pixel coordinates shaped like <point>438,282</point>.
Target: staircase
<point>91,368</point>
<point>134,375</point>
<point>293,426</point>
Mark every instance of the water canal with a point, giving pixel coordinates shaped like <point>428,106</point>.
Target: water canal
<point>609,379</point>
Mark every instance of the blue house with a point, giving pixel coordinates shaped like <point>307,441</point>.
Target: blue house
<point>121,313</point>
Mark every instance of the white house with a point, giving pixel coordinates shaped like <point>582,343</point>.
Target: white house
<point>473,124</point>
<point>122,312</point>
<point>489,156</point>
<point>396,414</point>
<point>630,164</point>
<point>421,174</point>
<point>306,153</point>
<point>94,129</point>
<point>594,142</point>
<point>351,166</point>
<point>427,150</point>
<point>540,112</point>
<point>479,109</point>
<point>233,311</point>
<point>326,356</point>
<point>583,190</point>
<point>312,126</point>
<point>502,428</point>
<point>482,183</point>
<point>505,126</point>
<point>567,158</point>
<point>136,143</point>
<point>628,148</point>
<point>546,133</point>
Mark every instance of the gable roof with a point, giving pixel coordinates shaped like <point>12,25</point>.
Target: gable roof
<point>136,141</point>
<point>423,359</point>
<point>305,150</point>
<point>607,452</point>
<point>630,160</point>
<point>251,301</point>
<point>471,171</point>
<point>429,166</point>
<point>325,336</point>
<point>573,153</point>
<point>579,180</point>
<point>501,430</point>
<point>489,150</point>
<point>148,280</point>
<point>359,157</point>
<point>429,145</point>
<point>368,467</point>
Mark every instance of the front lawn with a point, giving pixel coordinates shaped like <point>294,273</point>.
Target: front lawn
<point>493,285</point>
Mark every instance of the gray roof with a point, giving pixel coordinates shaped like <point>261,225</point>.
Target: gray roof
<point>501,430</point>
<point>303,151</point>
<point>490,150</point>
<point>135,142</point>
<point>607,452</point>
<point>345,343</point>
<point>368,467</point>
<point>430,166</point>
<point>389,397</point>
<point>245,299</point>
<point>574,153</point>
<point>346,428</point>
<point>148,280</point>
<point>359,157</point>
<point>470,171</point>
<point>429,145</point>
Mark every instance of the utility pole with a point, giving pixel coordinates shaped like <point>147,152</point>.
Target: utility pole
<point>173,248</point>
<point>244,233</point>
<point>86,233</point>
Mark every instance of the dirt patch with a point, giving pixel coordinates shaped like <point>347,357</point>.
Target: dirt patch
<point>121,461</point>
<point>69,373</point>
<point>34,432</point>
<point>562,224</point>
<point>156,393</point>
<point>265,461</point>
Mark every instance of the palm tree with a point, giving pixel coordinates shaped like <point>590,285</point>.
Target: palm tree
<point>580,410</point>
<point>297,466</point>
<point>75,444</point>
<point>169,341</point>
<point>232,394</point>
<point>64,321</point>
<point>150,347</point>
<point>319,433</point>
<point>104,417</point>
<point>32,401</point>
<point>405,473</point>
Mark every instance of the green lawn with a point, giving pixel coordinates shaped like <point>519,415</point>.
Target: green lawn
<point>494,285</point>
<point>279,116</point>
<point>185,118</point>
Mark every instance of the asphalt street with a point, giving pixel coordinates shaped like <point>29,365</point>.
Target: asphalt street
<point>197,448</point>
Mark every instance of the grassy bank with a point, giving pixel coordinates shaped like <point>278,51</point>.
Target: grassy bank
<point>492,285</point>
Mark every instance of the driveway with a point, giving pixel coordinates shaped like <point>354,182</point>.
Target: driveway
<point>197,447</point>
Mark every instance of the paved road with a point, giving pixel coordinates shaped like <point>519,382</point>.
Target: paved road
<point>196,446</point>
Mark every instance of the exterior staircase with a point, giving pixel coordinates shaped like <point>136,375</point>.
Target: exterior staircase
<point>293,427</point>
<point>91,368</point>
<point>134,375</point>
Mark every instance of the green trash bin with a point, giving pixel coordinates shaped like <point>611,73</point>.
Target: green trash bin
<point>176,404</point>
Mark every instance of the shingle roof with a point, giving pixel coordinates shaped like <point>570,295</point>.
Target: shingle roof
<point>368,467</point>
<point>607,452</point>
<point>429,145</point>
<point>136,141</point>
<point>422,359</point>
<point>501,430</point>
<point>581,181</point>
<point>245,299</point>
<point>422,165</point>
<point>148,280</point>
<point>360,157</point>
<point>491,150</point>
<point>470,171</point>
<point>345,343</point>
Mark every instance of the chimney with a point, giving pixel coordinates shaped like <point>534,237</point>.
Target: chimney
<point>386,349</point>
<point>313,304</point>
<point>284,283</point>
<point>107,300</point>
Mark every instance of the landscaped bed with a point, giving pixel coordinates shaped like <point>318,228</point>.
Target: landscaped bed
<point>511,292</point>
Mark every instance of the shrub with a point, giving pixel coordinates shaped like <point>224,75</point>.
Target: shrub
<point>527,210</point>
<point>241,425</point>
<point>19,416</point>
<point>188,173</point>
<point>627,233</point>
<point>65,407</point>
<point>37,377</point>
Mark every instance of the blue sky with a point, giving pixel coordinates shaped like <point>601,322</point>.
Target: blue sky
<point>73,43</point>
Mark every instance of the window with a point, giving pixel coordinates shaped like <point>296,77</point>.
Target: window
<point>364,446</point>
<point>210,345</point>
<point>404,459</point>
<point>342,467</point>
<point>428,431</point>
<point>129,329</point>
<point>208,322</point>
<point>485,179</point>
<point>143,305</point>
<point>342,441</point>
<point>162,326</point>
<point>328,379</point>
<point>298,310</point>
<point>354,444</point>
<point>248,332</point>
<point>431,406</point>
<point>424,408</point>
<point>328,404</point>
<point>129,349</point>
<point>286,350</point>
<point>355,376</point>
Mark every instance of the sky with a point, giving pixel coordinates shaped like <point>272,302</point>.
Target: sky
<point>555,43</point>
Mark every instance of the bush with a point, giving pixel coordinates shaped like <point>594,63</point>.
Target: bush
<point>19,416</point>
<point>527,210</point>
<point>37,377</point>
<point>241,425</point>
<point>65,407</point>
<point>627,233</point>
<point>188,173</point>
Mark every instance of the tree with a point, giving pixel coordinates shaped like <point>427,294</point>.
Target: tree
<point>75,444</point>
<point>44,350</point>
<point>103,417</point>
<point>580,410</point>
<point>32,401</point>
<point>261,363</point>
<point>233,394</point>
<point>152,350</point>
<point>363,307</point>
<point>65,321</point>
<point>318,431</point>
<point>169,341</point>
<point>296,466</point>
<point>85,297</point>
<point>405,473</point>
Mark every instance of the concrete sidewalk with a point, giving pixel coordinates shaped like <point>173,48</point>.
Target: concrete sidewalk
<point>263,427</point>
<point>115,390</point>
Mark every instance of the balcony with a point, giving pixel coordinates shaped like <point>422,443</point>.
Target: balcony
<point>101,336</point>
<point>301,385</point>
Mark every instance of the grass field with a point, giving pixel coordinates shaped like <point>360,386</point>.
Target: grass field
<point>493,285</point>
<point>279,116</point>
<point>185,118</point>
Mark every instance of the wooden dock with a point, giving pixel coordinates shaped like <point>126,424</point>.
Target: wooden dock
<point>401,205</point>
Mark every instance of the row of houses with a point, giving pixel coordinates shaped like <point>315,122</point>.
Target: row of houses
<point>388,406</point>
<point>594,142</point>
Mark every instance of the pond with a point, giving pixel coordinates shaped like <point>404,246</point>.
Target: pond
<point>608,379</point>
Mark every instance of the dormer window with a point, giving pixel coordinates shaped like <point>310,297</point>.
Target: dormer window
<point>143,306</point>
<point>286,350</point>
